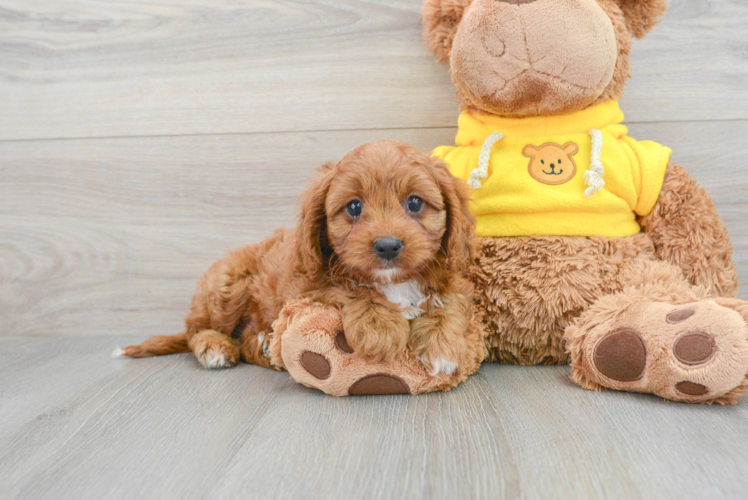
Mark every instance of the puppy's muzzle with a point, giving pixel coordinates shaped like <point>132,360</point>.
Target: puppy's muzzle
<point>388,248</point>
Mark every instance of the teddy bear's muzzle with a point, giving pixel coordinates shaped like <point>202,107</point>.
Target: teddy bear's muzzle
<point>511,58</point>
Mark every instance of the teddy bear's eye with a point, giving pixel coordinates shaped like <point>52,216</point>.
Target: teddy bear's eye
<point>559,162</point>
<point>542,161</point>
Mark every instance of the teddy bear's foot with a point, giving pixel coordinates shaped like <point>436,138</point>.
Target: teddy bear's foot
<point>695,352</point>
<point>309,342</point>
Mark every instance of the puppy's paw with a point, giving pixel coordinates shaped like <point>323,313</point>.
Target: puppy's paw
<point>441,357</point>
<point>214,357</point>
<point>439,365</point>
<point>377,334</point>
<point>440,345</point>
<point>214,350</point>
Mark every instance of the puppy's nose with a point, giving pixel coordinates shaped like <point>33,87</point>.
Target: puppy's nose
<point>388,248</point>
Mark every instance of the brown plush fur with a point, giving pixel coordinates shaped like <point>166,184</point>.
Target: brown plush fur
<point>653,288</point>
<point>629,18</point>
<point>330,258</point>
<point>687,231</point>
<point>518,58</point>
<point>526,318</point>
<point>529,322</point>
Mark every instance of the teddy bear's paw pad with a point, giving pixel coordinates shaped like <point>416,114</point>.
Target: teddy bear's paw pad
<point>379,383</point>
<point>342,343</point>
<point>680,315</point>
<point>621,355</point>
<point>694,348</point>
<point>691,388</point>
<point>695,352</point>
<point>317,354</point>
<point>316,364</point>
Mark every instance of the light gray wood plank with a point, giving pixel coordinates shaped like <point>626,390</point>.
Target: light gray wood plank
<point>165,428</point>
<point>107,237</point>
<point>114,402</point>
<point>75,68</point>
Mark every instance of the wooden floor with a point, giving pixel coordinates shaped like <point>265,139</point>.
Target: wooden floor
<point>141,139</point>
<point>76,424</point>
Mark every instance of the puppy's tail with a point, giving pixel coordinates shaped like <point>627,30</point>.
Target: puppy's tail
<point>155,346</point>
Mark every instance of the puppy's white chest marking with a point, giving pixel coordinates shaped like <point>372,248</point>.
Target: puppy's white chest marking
<point>408,295</point>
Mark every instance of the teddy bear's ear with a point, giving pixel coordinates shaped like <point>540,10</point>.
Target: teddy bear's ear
<point>440,20</point>
<point>571,149</point>
<point>642,15</point>
<point>530,151</point>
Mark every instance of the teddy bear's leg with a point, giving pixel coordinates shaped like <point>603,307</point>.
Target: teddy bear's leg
<point>661,335</point>
<point>688,232</point>
<point>308,340</point>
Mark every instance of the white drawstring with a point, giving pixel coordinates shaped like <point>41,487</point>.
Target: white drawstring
<point>480,173</point>
<point>593,177</point>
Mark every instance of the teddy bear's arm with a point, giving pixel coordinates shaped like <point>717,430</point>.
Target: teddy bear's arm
<point>687,231</point>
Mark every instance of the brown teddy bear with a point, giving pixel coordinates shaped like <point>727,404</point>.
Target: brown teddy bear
<point>596,249</point>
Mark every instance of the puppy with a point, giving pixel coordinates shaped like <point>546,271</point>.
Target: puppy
<point>385,235</point>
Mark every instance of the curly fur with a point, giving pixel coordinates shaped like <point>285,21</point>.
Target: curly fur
<point>330,257</point>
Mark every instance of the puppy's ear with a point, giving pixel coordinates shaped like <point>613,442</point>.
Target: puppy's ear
<point>312,244</point>
<point>459,243</point>
<point>440,20</point>
<point>642,15</point>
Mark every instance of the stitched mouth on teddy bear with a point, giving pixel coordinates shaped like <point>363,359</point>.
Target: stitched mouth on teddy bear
<point>553,172</point>
<point>553,168</point>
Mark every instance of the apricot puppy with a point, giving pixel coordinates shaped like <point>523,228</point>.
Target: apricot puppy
<point>385,235</point>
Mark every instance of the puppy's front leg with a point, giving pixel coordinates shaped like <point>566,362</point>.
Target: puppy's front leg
<point>374,327</point>
<point>438,337</point>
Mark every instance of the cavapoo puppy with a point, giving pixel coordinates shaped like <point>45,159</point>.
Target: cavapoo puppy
<point>385,235</point>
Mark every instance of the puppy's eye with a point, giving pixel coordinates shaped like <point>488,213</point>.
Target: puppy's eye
<point>354,209</point>
<point>415,205</point>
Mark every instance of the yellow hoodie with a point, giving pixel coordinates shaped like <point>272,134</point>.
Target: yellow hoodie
<point>574,175</point>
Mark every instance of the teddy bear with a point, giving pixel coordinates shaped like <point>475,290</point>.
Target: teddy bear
<point>596,250</point>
